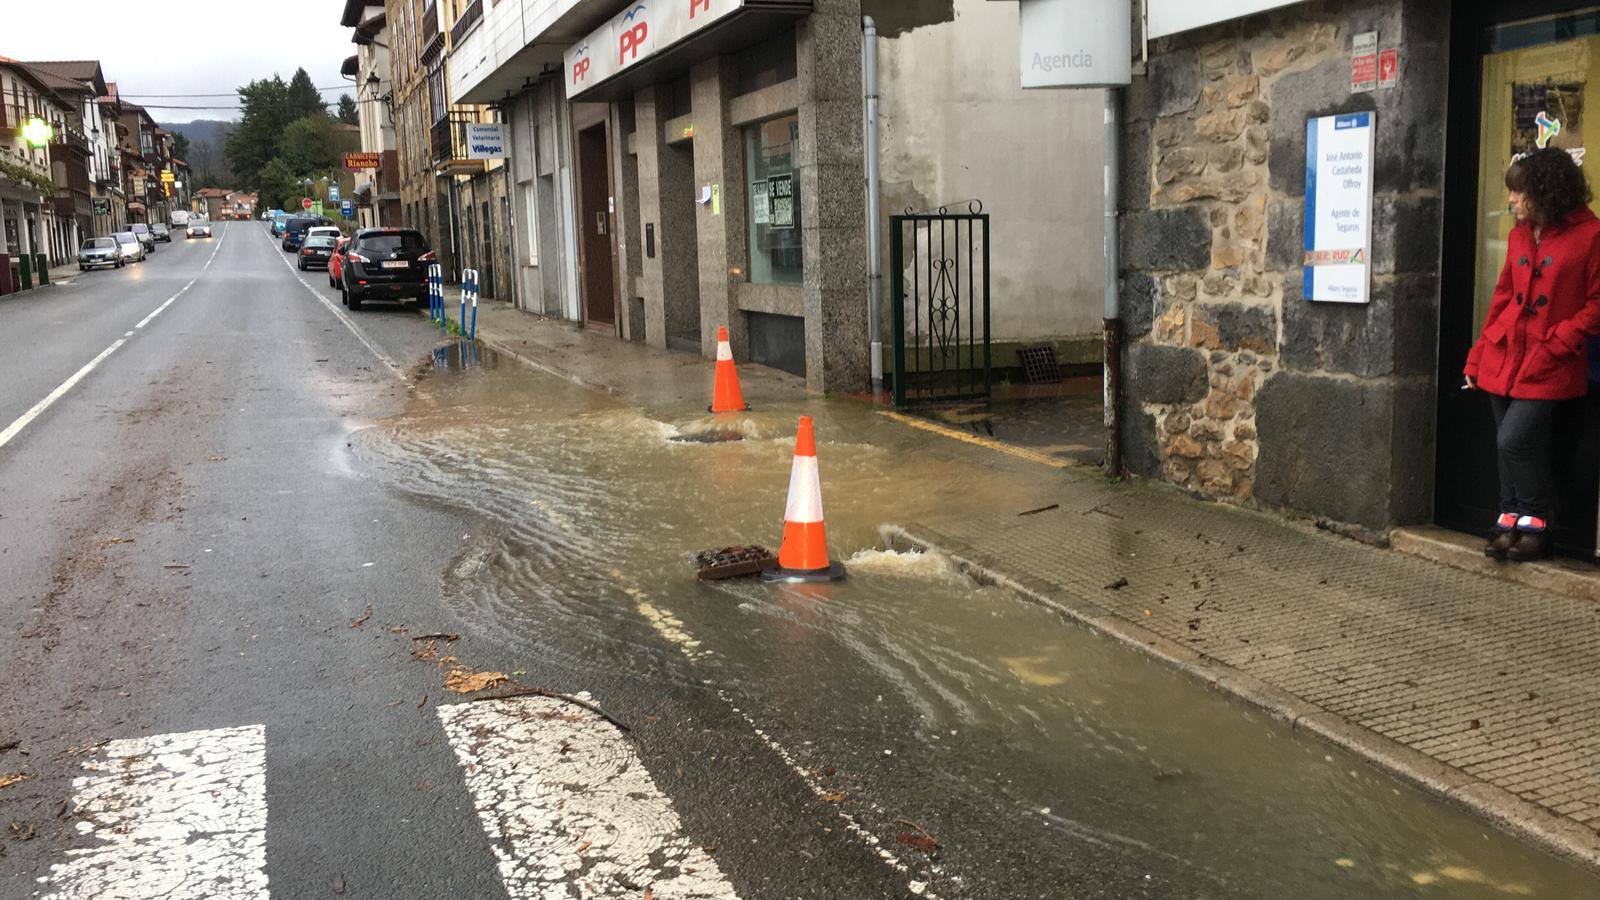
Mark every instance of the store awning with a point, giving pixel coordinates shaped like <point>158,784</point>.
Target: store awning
<point>649,45</point>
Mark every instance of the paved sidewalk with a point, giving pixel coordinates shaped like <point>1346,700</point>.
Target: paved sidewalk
<point>1485,691</point>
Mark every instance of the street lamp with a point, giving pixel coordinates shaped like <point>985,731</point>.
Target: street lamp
<point>37,132</point>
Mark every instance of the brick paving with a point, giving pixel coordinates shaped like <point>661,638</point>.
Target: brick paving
<point>1496,680</point>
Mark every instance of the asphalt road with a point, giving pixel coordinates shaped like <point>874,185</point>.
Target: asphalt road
<point>197,571</point>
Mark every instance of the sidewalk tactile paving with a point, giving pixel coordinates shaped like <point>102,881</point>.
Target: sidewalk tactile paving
<point>1438,659</point>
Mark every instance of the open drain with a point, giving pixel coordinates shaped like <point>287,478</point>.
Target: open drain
<point>707,437</point>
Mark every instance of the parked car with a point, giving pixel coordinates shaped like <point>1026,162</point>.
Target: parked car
<point>385,263</point>
<point>180,218</point>
<point>332,230</point>
<point>278,223</point>
<point>315,251</point>
<point>199,229</point>
<point>100,251</point>
<point>129,246</point>
<point>145,236</point>
<point>336,261</point>
<point>160,232</point>
<point>295,228</point>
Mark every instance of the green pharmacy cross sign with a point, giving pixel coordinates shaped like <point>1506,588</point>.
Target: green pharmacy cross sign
<point>37,132</point>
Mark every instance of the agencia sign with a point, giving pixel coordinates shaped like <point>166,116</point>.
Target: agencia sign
<point>1076,43</point>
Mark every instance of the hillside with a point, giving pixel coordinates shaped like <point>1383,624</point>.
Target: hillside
<point>213,130</point>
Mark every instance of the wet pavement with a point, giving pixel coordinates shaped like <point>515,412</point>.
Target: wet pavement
<point>265,545</point>
<point>1037,753</point>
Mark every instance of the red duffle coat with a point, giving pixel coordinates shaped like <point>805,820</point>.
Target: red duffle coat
<point>1546,306</point>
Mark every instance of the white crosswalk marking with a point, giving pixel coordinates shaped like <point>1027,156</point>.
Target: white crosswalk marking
<point>173,816</point>
<point>569,808</point>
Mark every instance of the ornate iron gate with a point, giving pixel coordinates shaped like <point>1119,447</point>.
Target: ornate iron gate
<point>939,279</point>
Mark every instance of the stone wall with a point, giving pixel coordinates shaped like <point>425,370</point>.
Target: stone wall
<point>1237,388</point>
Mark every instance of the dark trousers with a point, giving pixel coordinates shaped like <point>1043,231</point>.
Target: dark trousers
<point>1523,430</point>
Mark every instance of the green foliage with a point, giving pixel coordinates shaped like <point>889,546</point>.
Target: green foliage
<point>347,110</point>
<point>303,98</point>
<point>22,176</point>
<point>180,146</point>
<point>265,106</point>
<point>308,144</point>
<point>279,186</point>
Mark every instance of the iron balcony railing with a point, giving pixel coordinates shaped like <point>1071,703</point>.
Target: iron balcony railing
<point>468,18</point>
<point>449,136</point>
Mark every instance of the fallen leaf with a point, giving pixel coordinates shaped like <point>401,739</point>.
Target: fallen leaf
<point>834,797</point>
<point>466,681</point>
<point>437,636</point>
<point>922,842</point>
<point>21,830</point>
<point>1117,585</point>
<point>176,566</point>
<point>7,779</point>
<point>1475,724</point>
<point>114,540</point>
<point>8,744</point>
<point>215,458</point>
<point>362,619</point>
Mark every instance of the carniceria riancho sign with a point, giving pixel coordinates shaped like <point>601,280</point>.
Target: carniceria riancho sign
<point>486,140</point>
<point>1338,226</point>
<point>1076,43</point>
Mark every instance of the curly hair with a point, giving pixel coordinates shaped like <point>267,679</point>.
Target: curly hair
<point>1552,181</point>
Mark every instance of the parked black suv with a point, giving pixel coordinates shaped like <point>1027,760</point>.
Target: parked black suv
<point>386,264</point>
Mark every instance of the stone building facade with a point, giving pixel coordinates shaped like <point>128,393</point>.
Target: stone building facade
<point>1237,387</point>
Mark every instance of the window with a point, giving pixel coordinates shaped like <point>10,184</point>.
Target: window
<point>774,200</point>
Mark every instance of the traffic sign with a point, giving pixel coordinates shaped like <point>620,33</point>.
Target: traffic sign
<point>347,208</point>
<point>305,202</point>
<point>333,192</point>
<point>316,208</point>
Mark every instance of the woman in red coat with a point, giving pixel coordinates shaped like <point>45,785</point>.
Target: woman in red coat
<point>1532,353</point>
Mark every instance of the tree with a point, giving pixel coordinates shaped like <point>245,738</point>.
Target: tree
<point>180,146</point>
<point>265,113</point>
<point>280,187</point>
<point>308,144</point>
<point>304,100</point>
<point>347,110</point>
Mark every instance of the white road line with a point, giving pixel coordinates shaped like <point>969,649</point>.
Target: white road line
<point>568,807</point>
<point>175,815</point>
<point>338,313</point>
<point>671,627</point>
<point>15,428</point>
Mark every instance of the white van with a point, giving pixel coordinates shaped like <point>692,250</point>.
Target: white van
<point>180,218</point>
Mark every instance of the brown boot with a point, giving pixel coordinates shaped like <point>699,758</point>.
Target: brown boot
<point>1530,546</point>
<point>1505,534</point>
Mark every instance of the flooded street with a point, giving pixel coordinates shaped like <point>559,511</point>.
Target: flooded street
<point>914,699</point>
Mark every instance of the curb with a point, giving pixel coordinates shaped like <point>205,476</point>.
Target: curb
<point>1460,551</point>
<point>1562,837</point>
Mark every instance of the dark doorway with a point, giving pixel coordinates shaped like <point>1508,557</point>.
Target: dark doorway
<point>1499,70</point>
<point>594,221</point>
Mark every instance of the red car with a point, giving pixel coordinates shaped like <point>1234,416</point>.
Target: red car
<point>336,262</point>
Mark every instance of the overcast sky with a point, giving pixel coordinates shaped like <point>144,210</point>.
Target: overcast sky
<point>184,46</point>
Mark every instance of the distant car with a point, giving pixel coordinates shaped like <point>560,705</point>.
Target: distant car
<point>200,229</point>
<point>278,224</point>
<point>129,246</point>
<point>97,252</point>
<point>145,236</point>
<point>385,263</point>
<point>324,229</point>
<point>315,251</point>
<point>160,232</point>
<point>180,218</point>
<point>336,261</point>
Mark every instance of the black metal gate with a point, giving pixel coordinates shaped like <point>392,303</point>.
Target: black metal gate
<point>939,279</point>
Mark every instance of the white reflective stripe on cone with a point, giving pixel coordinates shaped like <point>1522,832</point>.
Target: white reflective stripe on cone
<point>724,352</point>
<point>805,491</point>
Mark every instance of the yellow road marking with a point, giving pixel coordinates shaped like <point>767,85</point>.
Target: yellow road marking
<point>1033,456</point>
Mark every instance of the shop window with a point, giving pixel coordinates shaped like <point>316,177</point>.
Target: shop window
<point>774,200</point>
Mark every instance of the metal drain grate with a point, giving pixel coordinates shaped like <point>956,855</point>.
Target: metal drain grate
<point>1039,364</point>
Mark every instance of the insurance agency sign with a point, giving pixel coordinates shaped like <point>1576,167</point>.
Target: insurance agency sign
<point>1076,43</point>
<point>645,28</point>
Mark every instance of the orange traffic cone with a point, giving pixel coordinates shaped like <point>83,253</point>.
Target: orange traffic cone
<point>804,554</point>
<point>725,393</point>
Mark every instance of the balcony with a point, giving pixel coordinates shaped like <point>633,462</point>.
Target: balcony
<point>463,24</point>
<point>448,139</point>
